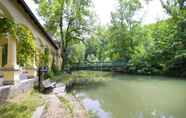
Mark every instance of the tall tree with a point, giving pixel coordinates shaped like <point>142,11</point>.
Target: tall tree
<point>67,20</point>
<point>123,26</point>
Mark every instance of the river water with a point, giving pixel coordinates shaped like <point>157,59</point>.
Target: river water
<point>128,96</point>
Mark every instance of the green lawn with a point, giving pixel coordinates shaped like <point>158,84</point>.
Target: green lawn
<point>82,77</point>
<point>21,106</point>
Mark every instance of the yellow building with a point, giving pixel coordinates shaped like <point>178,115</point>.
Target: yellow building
<point>18,11</point>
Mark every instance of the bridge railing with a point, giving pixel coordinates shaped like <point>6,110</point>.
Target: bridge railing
<point>100,66</point>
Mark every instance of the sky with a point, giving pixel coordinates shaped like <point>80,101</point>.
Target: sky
<point>34,7</point>
<point>150,12</point>
<point>103,9</point>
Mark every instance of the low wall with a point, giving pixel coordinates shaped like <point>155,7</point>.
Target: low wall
<point>11,91</point>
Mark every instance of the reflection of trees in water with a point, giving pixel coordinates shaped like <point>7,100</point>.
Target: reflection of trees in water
<point>94,107</point>
<point>153,114</point>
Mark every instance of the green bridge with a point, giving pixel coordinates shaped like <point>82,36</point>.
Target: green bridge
<point>101,66</point>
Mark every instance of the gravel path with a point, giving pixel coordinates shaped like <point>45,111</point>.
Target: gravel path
<point>55,108</point>
<point>78,109</point>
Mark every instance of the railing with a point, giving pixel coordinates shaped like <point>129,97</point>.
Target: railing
<point>101,66</point>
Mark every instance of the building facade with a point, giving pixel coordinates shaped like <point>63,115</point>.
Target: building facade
<point>18,11</point>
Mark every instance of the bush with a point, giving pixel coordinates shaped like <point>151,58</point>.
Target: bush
<point>177,67</point>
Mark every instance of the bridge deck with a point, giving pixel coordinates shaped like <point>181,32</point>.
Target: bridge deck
<point>100,66</point>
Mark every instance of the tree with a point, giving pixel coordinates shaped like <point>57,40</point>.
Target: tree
<point>123,26</point>
<point>177,10</point>
<point>67,19</point>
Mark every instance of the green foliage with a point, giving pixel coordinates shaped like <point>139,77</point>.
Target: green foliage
<point>43,59</point>
<point>21,108</point>
<point>76,54</point>
<point>26,46</point>
<point>67,105</point>
<point>177,66</point>
<point>83,78</point>
<point>75,14</point>
<point>7,27</point>
<point>149,49</point>
<point>53,71</point>
<point>49,75</point>
<point>46,57</point>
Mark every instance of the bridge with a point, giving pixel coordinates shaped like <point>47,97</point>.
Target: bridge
<point>101,66</point>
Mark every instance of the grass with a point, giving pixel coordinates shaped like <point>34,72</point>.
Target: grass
<point>84,77</point>
<point>67,105</point>
<point>21,106</point>
<point>92,114</point>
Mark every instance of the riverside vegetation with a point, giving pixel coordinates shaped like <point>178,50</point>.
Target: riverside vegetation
<point>157,48</point>
<point>21,106</point>
<point>82,79</point>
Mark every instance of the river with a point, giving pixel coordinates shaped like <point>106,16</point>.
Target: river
<point>129,96</point>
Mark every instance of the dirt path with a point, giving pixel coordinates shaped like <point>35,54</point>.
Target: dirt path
<point>55,108</point>
<point>62,105</point>
<point>78,109</point>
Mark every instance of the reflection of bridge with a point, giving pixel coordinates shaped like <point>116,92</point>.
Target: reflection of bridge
<point>101,66</point>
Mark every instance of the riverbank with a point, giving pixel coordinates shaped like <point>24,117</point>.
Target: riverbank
<point>82,79</point>
<point>21,106</point>
<point>92,78</point>
<point>33,104</point>
<point>64,106</point>
<point>146,96</point>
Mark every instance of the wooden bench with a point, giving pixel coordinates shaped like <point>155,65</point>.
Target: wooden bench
<point>48,85</point>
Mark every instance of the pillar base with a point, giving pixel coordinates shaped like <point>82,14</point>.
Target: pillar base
<point>8,82</point>
<point>11,74</point>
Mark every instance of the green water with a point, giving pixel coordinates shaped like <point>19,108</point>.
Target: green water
<point>127,96</point>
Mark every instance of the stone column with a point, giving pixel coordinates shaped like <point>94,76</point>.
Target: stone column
<point>1,59</point>
<point>11,70</point>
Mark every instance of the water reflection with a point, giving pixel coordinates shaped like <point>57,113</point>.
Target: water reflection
<point>94,106</point>
<point>153,114</point>
<point>133,97</point>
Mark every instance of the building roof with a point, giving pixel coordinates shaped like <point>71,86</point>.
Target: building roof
<point>36,21</point>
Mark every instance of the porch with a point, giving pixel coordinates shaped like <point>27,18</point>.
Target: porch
<point>10,72</point>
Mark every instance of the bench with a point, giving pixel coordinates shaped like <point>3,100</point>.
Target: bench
<point>48,85</point>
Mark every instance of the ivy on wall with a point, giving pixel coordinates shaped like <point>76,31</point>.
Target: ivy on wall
<point>26,51</point>
<point>26,42</point>
<point>26,46</point>
<point>46,57</point>
<point>42,58</point>
<point>7,27</point>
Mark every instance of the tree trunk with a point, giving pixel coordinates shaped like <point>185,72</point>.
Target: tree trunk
<point>62,34</point>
